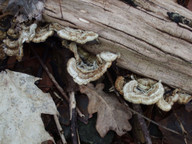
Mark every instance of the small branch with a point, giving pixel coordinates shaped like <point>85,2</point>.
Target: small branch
<point>40,69</point>
<point>142,124</point>
<point>51,76</point>
<point>58,96</point>
<point>73,118</point>
<point>60,130</point>
<point>184,132</point>
<point>55,82</point>
<point>152,121</point>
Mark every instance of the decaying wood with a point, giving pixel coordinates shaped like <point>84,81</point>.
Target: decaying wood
<point>149,43</point>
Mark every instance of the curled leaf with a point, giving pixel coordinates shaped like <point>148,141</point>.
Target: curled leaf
<point>111,114</point>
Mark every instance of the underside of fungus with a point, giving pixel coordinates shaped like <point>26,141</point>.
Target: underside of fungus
<point>85,68</point>
<point>147,91</point>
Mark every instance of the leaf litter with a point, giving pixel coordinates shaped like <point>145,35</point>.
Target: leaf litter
<point>22,104</point>
<point>111,114</point>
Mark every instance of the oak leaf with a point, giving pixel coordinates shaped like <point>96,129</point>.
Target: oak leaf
<point>111,114</point>
<point>21,106</point>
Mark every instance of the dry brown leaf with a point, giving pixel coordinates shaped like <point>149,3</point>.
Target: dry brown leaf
<point>111,114</point>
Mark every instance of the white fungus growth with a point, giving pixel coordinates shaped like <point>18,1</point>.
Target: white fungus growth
<point>39,34</point>
<point>42,33</point>
<point>140,96</point>
<point>166,104</point>
<point>86,76</point>
<point>85,68</point>
<point>16,47</point>
<point>147,91</point>
<point>76,35</point>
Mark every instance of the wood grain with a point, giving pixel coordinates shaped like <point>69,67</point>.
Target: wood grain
<point>149,43</point>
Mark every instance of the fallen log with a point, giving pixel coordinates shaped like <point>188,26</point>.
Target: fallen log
<point>150,43</point>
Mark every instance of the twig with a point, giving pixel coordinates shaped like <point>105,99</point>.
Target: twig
<point>182,128</point>
<point>51,76</point>
<point>73,118</point>
<point>60,130</point>
<point>54,81</point>
<point>143,125</point>
<point>58,96</point>
<point>40,69</point>
<point>168,129</point>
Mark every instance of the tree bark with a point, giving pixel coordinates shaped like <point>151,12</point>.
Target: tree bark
<point>149,43</point>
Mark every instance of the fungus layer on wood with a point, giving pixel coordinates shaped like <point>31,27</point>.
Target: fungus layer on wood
<point>85,68</point>
<point>147,91</point>
<point>142,93</point>
<point>13,36</point>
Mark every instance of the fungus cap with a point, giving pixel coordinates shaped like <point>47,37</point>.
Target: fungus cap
<point>132,94</point>
<point>42,34</point>
<point>76,35</point>
<point>119,83</point>
<point>85,76</point>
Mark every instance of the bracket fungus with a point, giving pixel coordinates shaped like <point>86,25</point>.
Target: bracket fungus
<point>119,83</point>
<point>142,94</point>
<point>83,73</point>
<point>85,67</point>
<point>42,33</point>
<point>147,91</point>
<point>167,103</point>
<point>13,39</point>
<point>76,35</point>
<point>15,47</point>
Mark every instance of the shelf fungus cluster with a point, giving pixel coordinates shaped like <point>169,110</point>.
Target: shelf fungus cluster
<point>13,37</point>
<point>147,91</point>
<point>85,67</point>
